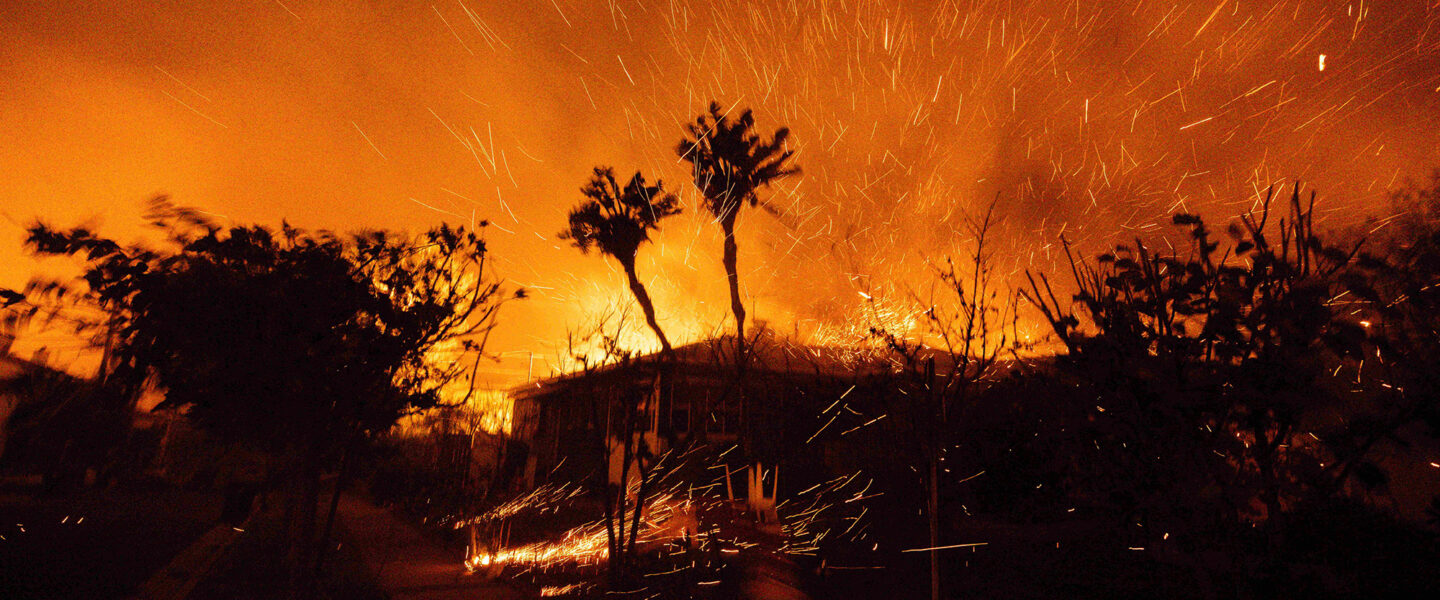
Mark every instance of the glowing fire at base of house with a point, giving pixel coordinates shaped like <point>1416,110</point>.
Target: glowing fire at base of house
<point>668,518</point>
<point>673,517</point>
<point>582,546</point>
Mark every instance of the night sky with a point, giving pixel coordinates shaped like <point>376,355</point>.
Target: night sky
<point>1095,120</point>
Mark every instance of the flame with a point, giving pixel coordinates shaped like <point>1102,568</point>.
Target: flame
<point>488,411</point>
<point>1092,120</point>
<point>665,519</point>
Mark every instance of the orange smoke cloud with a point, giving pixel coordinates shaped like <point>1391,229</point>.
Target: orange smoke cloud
<point>1088,119</point>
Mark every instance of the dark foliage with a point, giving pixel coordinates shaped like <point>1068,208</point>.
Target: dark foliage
<point>62,426</point>
<point>1209,372</point>
<point>1218,405</point>
<point>295,342</point>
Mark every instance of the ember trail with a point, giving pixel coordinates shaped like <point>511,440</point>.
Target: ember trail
<point>766,299</point>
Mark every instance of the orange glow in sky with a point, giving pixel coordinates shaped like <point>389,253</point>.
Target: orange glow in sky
<point>1094,120</point>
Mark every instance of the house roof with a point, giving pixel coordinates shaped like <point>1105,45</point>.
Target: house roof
<point>770,356</point>
<point>12,366</point>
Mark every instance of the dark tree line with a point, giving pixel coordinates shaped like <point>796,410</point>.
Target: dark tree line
<point>300,344</point>
<point>1230,405</point>
<point>1217,395</point>
<point>1227,395</point>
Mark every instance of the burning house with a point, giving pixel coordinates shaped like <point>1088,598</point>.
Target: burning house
<point>766,412</point>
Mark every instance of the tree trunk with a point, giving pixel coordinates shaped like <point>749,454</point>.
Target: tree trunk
<point>646,305</point>
<point>932,502</point>
<point>732,274</point>
<point>932,479</point>
<point>641,449</point>
<point>341,479</point>
<point>289,485</point>
<point>619,558</point>
<point>638,512</point>
<point>306,494</point>
<point>607,491</point>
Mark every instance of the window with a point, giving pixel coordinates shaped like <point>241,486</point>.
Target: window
<point>680,418</point>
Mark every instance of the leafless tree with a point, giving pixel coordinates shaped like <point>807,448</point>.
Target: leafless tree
<point>969,323</point>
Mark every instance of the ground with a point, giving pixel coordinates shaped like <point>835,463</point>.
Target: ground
<point>94,543</point>
<point>118,543</point>
<point>405,562</point>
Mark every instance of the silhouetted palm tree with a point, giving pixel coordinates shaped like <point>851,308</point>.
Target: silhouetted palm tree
<point>617,221</point>
<point>730,162</point>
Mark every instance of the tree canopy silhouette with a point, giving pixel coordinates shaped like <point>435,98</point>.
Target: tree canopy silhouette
<point>1210,373</point>
<point>61,426</point>
<point>730,161</point>
<point>1397,287</point>
<point>616,221</point>
<point>298,342</point>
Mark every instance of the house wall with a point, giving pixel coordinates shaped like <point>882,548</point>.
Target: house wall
<point>565,438</point>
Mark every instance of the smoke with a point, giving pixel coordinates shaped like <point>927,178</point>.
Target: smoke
<point>1092,120</point>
